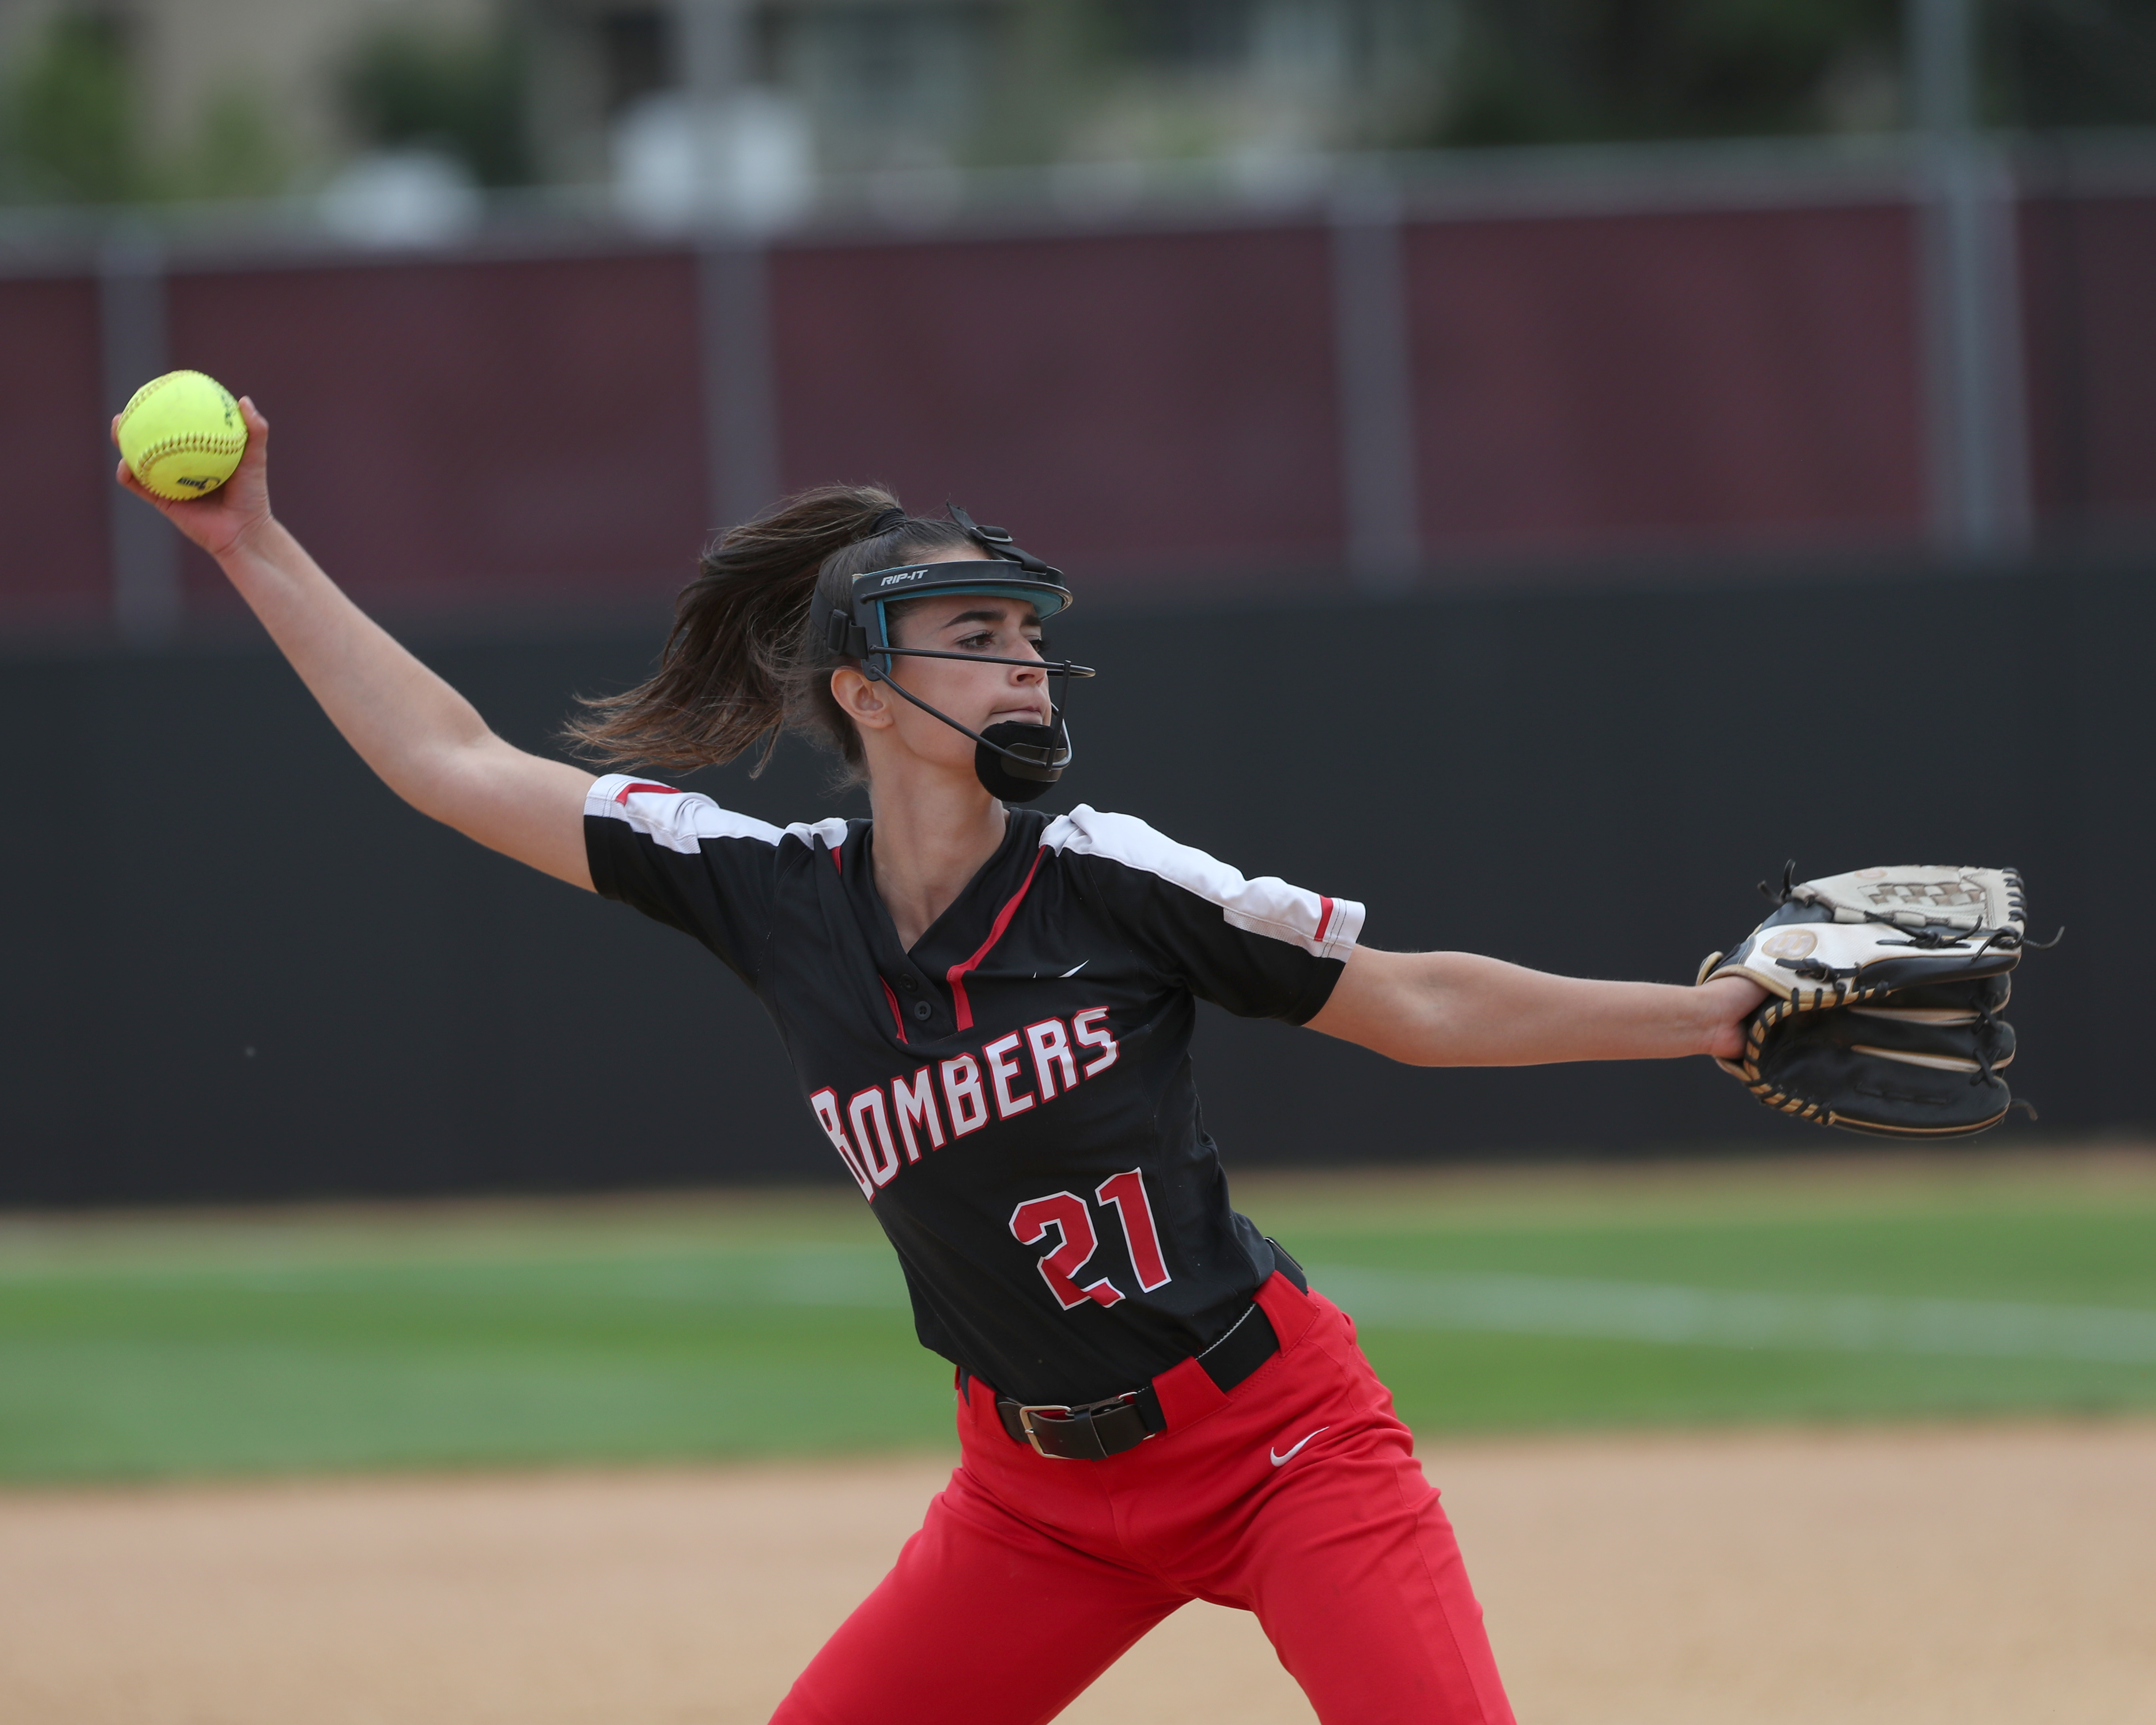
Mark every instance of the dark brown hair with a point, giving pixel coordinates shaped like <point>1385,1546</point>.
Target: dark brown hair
<point>741,664</point>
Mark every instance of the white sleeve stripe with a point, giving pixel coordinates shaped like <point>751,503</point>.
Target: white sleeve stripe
<point>831,832</point>
<point>1324,927</point>
<point>680,820</point>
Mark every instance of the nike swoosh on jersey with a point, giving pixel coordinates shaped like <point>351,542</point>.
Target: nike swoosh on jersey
<point>1279,1459</point>
<point>1078,967</point>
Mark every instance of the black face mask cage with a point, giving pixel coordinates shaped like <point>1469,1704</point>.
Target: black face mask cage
<point>1015,762</point>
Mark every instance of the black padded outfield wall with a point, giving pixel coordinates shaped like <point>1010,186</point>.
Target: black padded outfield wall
<point>238,968</point>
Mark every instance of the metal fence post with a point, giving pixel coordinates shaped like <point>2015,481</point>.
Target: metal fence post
<point>145,551</point>
<point>734,330</point>
<point>1376,402</point>
<point>1976,412</point>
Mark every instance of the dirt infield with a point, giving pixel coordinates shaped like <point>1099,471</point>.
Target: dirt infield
<point>1934,1577</point>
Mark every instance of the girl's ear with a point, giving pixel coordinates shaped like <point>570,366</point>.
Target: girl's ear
<point>860,700</point>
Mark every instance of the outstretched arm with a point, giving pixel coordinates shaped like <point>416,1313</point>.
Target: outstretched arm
<point>426,741</point>
<point>1459,1009</point>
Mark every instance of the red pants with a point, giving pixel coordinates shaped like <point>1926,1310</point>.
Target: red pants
<point>1297,1496</point>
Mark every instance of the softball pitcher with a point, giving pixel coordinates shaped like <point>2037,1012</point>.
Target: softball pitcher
<point>988,1011</point>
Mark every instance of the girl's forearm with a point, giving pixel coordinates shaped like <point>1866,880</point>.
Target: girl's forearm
<point>404,721</point>
<point>1461,1009</point>
<point>427,743</point>
<point>1483,1012</point>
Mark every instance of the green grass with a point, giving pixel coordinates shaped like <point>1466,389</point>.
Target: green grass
<point>356,1339</point>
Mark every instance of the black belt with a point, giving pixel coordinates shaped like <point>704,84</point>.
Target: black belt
<point>1094,1431</point>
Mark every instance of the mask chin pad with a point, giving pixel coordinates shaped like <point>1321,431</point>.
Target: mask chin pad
<point>1022,780</point>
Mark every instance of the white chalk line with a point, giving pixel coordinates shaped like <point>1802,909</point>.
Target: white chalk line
<point>1644,1311</point>
<point>867,1277</point>
<point>1557,1306</point>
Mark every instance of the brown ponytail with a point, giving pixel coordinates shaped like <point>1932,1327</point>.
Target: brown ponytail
<point>739,666</point>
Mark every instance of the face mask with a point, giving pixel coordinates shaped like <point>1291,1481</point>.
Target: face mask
<point>1014,761</point>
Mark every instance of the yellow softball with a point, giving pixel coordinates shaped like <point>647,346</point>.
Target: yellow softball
<point>181,434</point>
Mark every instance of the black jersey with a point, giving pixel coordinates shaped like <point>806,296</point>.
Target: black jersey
<point>1014,1094</point>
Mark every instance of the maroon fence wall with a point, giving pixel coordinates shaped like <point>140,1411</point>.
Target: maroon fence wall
<point>1140,402</point>
<point>53,568</point>
<point>2089,276</point>
<point>489,431</point>
<point>484,432</point>
<point>1736,377</point>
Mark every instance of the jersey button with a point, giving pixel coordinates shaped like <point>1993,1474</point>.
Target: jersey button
<point>907,983</point>
<point>921,1008</point>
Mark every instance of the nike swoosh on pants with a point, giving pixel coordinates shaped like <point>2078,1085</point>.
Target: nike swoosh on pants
<point>1278,1458</point>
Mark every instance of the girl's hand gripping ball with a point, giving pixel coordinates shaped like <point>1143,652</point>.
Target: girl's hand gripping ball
<point>181,435</point>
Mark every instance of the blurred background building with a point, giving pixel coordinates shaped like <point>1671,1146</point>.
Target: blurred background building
<point>131,99</point>
<point>1589,376</point>
<point>225,97</point>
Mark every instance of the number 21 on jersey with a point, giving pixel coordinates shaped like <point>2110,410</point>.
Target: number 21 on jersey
<point>1066,1216</point>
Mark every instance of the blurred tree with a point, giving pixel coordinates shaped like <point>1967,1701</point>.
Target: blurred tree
<point>1552,71</point>
<point>2073,63</point>
<point>67,126</point>
<point>1052,57</point>
<point>409,85</point>
<point>238,152</point>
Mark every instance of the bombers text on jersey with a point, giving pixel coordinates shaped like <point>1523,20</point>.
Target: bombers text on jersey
<point>1014,1094</point>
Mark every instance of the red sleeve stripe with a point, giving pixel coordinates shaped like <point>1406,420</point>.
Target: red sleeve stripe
<point>622,796</point>
<point>1324,918</point>
<point>956,975</point>
<point>895,1018</point>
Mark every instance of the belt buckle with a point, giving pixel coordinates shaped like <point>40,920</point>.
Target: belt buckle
<point>1065,1414</point>
<point>1025,1424</point>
